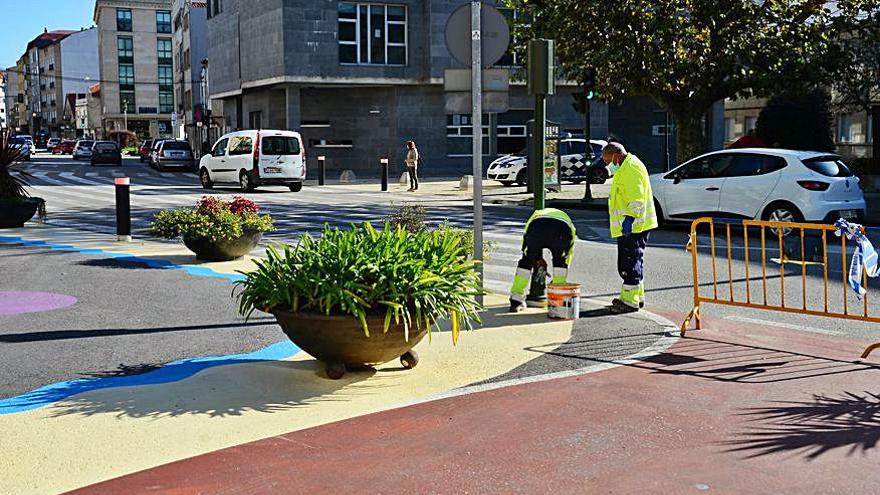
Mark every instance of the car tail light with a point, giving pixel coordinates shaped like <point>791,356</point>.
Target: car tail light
<point>814,185</point>
<point>257,156</point>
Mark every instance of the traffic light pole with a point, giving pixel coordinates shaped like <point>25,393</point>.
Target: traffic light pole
<point>540,147</point>
<point>588,190</point>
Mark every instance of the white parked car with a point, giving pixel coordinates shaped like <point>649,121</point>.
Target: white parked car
<point>255,158</point>
<point>573,165</point>
<point>31,145</point>
<point>83,149</point>
<point>760,183</point>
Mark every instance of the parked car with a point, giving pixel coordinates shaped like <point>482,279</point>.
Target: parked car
<point>255,158</point>
<point>106,152</point>
<point>760,183</point>
<point>51,143</point>
<point>31,145</point>
<point>23,146</point>
<point>574,165</point>
<point>83,149</point>
<point>64,147</point>
<point>144,150</point>
<point>173,153</point>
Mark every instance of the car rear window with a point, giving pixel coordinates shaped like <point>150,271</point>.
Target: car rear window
<point>176,146</point>
<point>105,147</point>
<point>829,166</point>
<point>19,141</point>
<point>280,145</point>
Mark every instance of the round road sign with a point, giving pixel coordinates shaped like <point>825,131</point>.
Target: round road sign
<point>495,34</point>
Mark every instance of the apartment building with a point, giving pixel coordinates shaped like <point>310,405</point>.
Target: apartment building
<point>135,50</point>
<point>4,117</point>
<point>16,107</point>
<point>359,79</point>
<point>45,94</point>
<point>190,25</point>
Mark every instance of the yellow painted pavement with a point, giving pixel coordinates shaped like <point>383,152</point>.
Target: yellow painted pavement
<point>108,433</point>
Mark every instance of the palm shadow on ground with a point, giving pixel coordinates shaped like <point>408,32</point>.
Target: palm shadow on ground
<point>811,428</point>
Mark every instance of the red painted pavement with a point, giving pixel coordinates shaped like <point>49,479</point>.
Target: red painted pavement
<point>736,409</point>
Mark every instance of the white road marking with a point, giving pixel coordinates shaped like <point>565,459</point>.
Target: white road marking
<point>69,176</point>
<point>790,326</point>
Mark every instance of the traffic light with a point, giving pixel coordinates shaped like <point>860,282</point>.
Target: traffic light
<point>590,83</point>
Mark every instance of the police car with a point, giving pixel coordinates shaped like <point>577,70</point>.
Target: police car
<point>574,166</point>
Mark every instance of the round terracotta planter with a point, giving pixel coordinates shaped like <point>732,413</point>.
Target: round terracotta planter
<point>14,214</point>
<point>223,250</point>
<point>340,341</point>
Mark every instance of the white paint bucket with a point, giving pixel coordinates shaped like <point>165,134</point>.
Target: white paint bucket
<point>564,301</point>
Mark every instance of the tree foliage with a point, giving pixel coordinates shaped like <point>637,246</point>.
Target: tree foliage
<point>688,54</point>
<point>799,122</point>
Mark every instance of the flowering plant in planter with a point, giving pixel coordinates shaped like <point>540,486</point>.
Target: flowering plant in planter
<point>212,219</point>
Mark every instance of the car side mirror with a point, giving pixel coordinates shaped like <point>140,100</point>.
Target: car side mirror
<point>676,178</point>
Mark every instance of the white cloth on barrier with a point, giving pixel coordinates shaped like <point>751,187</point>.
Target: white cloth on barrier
<point>865,256</point>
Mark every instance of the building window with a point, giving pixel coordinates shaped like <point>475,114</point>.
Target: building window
<point>164,51</point>
<point>163,21</point>
<point>125,49</point>
<point>126,101</point>
<point>372,34</point>
<point>849,130</point>
<point>123,20</point>
<point>751,123</point>
<point>126,77</point>
<point>459,129</point>
<point>215,7</point>
<point>166,101</point>
<point>729,126</point>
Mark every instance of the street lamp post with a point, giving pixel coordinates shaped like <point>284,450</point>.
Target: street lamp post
<point>125,113</point>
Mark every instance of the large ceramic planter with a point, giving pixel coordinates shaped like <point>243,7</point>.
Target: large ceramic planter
<point>14,214</point>
<point>340,341</point>
<point>223,250</point>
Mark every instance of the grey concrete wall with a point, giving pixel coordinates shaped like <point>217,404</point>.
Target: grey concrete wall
<point>223,49</point>
<point>632,123</point>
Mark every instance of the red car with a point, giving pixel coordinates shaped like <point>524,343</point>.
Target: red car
<point>145,149</point>
<point>64,148</point>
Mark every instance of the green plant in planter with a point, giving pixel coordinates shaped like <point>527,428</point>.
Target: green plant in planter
<point>14,181</point>
<point>417,278</point>
<point>413,218</point>
<point>212,219</point>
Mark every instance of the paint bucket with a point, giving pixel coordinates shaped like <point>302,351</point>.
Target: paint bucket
<point>564,301</point>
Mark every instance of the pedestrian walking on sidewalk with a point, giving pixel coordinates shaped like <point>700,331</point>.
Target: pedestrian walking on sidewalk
<point>632,217</point>
<point>412,165</point>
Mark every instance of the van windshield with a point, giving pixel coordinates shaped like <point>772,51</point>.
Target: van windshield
<point>280,145</point>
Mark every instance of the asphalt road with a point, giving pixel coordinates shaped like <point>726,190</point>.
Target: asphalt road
<point>82,197</point>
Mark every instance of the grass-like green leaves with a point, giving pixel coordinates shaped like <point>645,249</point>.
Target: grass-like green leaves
<point>211,219</point>
<point>413,278</point>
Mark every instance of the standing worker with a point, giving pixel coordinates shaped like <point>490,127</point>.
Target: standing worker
<point>632,215</point>
<point>546,229</point>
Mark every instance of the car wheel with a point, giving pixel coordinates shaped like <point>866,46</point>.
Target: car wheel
<point>598,175</point>
<point>296,187</point>
<point>245,182</point>
<point>661,222</point>
<point>205,178</point>
<point>576,181</point>
<point>782,211</point>
<point>522,177</point>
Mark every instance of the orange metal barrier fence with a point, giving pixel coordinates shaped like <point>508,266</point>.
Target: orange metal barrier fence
<point>778,234</point>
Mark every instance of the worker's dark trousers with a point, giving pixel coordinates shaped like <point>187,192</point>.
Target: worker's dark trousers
<point>546,233</point>
<point>630,257</point>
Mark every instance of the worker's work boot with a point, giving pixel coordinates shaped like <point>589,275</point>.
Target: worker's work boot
<point>641,294</point>
<point>516,306</point>
<point>628,302</point>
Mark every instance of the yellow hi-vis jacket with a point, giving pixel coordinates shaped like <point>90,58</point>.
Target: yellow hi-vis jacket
<point>631,196</point>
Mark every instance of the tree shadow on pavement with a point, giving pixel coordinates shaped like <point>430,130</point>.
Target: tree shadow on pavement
<point>812,429</point>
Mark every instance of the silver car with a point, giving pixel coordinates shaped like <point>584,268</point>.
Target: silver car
<point>24,148</point>
<point>83,149</point>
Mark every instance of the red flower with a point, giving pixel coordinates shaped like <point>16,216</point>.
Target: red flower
<point>241,204</point>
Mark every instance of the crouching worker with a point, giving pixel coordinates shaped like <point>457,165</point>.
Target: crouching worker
<point>547,229</point>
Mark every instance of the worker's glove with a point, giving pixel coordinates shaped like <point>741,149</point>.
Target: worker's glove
<point>628,225</point>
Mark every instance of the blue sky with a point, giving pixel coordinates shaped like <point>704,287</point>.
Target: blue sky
<point>23,20</point>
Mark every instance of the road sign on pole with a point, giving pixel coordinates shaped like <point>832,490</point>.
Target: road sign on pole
<point>477,134</point>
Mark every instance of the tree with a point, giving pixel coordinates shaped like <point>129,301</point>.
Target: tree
<point>689,54</point>
<point>798,122</point>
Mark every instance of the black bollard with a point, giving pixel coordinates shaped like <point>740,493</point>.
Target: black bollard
<point>321,170</point>
<point>123,209</point>
<point>384,164</point>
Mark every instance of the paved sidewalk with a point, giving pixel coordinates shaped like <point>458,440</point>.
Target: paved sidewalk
<point>731,410</point>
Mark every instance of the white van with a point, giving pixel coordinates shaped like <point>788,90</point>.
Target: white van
<point>255,158</point>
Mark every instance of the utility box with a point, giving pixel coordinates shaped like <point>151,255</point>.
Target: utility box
<point>542,77</point>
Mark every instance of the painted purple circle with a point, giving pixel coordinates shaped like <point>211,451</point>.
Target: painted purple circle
<point>16,303</point>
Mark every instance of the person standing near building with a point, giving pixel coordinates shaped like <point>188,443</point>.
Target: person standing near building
<point>632,217</point>
<point>412,165</point>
